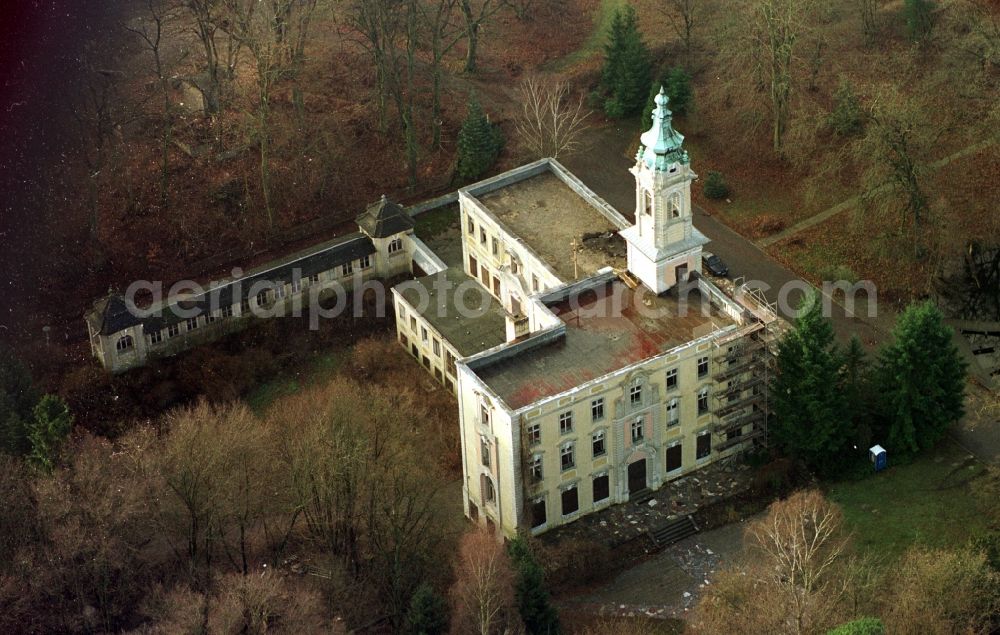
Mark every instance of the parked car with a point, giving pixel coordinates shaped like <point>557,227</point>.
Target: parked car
<point>713,264</point>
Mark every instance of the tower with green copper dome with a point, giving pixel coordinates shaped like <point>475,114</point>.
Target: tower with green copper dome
<point>663,245</point>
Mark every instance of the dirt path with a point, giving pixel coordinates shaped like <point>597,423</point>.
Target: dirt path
<point>852,202</point>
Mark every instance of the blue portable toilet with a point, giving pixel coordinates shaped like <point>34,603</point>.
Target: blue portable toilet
<point>878,457</point>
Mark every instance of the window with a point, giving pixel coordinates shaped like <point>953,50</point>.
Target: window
<point>405,341</point>
<point>437,374</point>
<point>602,488</point>
<point>156,337</point>
<point>703,401</point>
<point>597,443</point>
<point>484,415</point>
<point>192,323</point>
<point>437,347</point>
<point>496,286</point>
<point>534,434</point>
<point>704,445</point>
<point>296,284</point>
<point>423,334</point>
<point>734,434</point>
<point>702,366</point>
<point>314,278</point>
<point>413,324</point>
<point>566,459</point>
<point>635,393</point>
<point>279,289</point>
<point>262,298</point>
<point>366,262</point>
<point>496,246</point>
<point>396,245</point>
<point>473,266</point>
<point>484,275</point>
<point>414,350</point>
<point>674,457</point>
<point>673,412</point>
<point>672,379</point>
<point>472,226</point>
<point>513,267</point>
<point>535,467</point>
<point>597,409</point>
<point>489,493</point>
<point>427,362</point>
<point>347,268</point>
<point>124,343</point>
<point>637,430</point>
<point>534,282</point>
<point>482,236</point>
<point>450,360</point>
<point>401,311</point>
<point>732,390</point>
<point>484,451</point>
<point>566,422</point>
<point>244,306</point>
<point>227,311</point>
<point>570,501</point>
<point>648,200</point>
<point>538,513</point>
<point>173,330</point>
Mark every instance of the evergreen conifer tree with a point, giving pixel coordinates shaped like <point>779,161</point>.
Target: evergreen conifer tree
<point>48,431</point>
<point>428,613</point>
<point>920,380</point>
<point>626,74</point>
<point>855,385</point>
<point>809,410</point>
<point>479,143</point>
<point>537,613</point>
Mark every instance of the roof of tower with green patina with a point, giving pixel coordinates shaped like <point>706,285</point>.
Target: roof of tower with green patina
<point>661,144</point>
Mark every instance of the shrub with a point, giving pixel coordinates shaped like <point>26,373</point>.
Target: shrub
<point>716,186</point>
<point>537,613</point>
<point>845,119</point>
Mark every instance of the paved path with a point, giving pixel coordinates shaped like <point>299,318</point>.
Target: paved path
<point>668,583</point>
<point>852,202</point>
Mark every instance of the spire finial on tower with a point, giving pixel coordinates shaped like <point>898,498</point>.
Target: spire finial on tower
<point>661,144</point>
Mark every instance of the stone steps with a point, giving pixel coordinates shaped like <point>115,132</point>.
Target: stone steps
<point>673,531</point>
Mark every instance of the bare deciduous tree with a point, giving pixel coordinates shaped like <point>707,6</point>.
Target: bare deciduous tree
<point>763,42</point>
<point>476,13</point>
<point>793,580</point>
<point>683,18</point>
<point>483,592</point>
<point>868,12</point>
<point>550,123</point>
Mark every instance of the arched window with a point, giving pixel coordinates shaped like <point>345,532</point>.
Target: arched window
<point>675,206</point>
<point>125,343</point>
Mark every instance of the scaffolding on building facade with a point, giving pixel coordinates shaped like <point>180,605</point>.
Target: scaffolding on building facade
<point>743,364</point>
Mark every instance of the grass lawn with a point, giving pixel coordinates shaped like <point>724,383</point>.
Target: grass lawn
<point>436,221</point>
<point>597,38</point>
<point>929,501</point>
<point>292,380</point>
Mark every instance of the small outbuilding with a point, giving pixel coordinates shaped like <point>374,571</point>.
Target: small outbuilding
<point>878,457</point>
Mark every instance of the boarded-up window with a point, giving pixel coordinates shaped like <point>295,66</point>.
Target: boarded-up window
<point>704,447</point>
<point>602,488</point>
<point>538,513</point>
<point>674,458</point>
<point>570,501</point>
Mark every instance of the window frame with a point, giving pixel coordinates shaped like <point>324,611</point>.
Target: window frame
<point>567,450</point>
<point>566,422</point>
<point>600,438</point>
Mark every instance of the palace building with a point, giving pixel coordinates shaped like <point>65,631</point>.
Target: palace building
<point>591,360</point>
<point>619,366</point>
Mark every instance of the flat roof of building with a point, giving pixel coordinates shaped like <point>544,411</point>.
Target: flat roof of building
<point>441,299</point>
<point>608,328</point>
<point>549,216</point>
